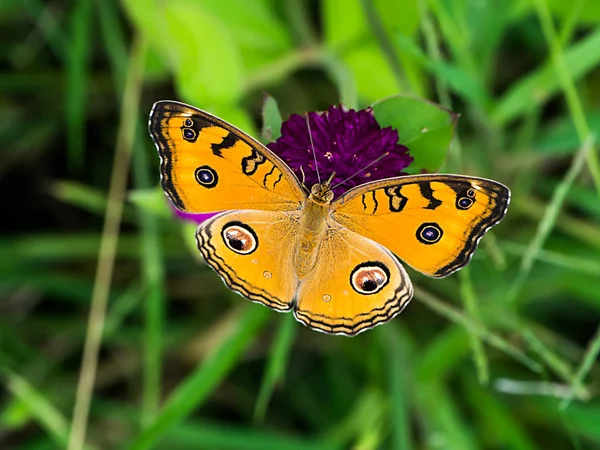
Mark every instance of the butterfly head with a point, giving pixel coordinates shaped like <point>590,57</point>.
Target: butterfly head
<point>321,192</point>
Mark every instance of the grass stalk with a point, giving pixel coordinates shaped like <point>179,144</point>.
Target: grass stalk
<point>568,86</point>
<point>548,221</point>
<point>108,246</point>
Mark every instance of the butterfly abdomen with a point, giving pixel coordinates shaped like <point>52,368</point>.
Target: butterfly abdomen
<point>313,225</point>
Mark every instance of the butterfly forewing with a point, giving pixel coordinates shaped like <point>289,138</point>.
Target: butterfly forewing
<point>431,222</point>
<point>208,165</point>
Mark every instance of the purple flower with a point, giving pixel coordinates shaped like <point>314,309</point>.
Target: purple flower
<point>191,217</point>
<point>348,142</point>
<point>345,142</point>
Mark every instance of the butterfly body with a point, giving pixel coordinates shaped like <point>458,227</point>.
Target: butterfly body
<point>333,262</point>
<point>314,220</point>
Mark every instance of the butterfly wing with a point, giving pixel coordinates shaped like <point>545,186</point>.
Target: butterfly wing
<point>432,222</point>
<point>208,165</point>
<point>253,252</point>
<point>355,285</point>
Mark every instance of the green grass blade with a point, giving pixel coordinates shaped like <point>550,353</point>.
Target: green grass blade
<point>195,389</point>
<point>588,360</point>
<point>39,406</point>
<point>77,73</point>
<point>467,294</point>
<point>275,370</point>
<point>398,385</point>
<point>564,261</point>
<point>503,427</point>
<point>552,360</point>
<point>223,437</point>
<point>108,247</point>
<point>534,90</point>
<point>114,40</point>
<point>443,422</point>
<point>86,198</point>
<point>548,221</point>
<point>153,274</point>
<point>568,86</point>
<point>491,338</point>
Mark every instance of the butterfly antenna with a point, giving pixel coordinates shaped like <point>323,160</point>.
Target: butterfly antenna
<point>362,170</point>
<point>303,179</point>
<point>312,144</point>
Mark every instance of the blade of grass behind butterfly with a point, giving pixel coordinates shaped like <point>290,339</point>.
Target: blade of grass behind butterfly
<point>587,362</point>
<point>194,434</point>
<point>195,389</point>
<point>363,422</point>
<point>503,426</point>
<point>48,23</point>
<point>76,70</point>
<point>463,320</point>
<point>441,417</point>
<point>151,257</point>
<point>110,238</point>
<point>534,90</point>
<point>552,360</point>
<point>278,358</point>
<point>399,385</point>
<point>153,275</point>
<point>41,409</point>
<point>86,198</point>
<point>467,294</point>
<point>114,41</point>
<point>567,262</point>
<point>568,86</point>
<point>548,221</point>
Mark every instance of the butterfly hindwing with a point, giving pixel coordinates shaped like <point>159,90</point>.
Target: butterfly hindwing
<point>208,165</point>
<point>355,285</point>
<point>253,252</point>
<point>431,222</point>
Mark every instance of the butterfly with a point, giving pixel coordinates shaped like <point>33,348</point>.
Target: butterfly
<point>332,261</point>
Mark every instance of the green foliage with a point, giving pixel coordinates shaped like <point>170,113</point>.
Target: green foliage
<point>501,355</point>
<point>424,127</point>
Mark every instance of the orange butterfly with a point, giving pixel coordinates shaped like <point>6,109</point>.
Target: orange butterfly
<point>325,258</point>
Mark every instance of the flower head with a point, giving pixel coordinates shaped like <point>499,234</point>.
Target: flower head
<point>192,217</point>
<point>348,142</point>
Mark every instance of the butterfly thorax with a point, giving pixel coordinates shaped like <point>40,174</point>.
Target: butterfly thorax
<point>313,224</point>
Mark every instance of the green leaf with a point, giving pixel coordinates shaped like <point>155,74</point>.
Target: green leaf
<point>366,61</point>
<point>207,60</point>
<point>271,116</point>
<point>253,25</point>
<point>194,390</point>
<point>343,21</point>
<point>204,55</point>
<point>424,127</point>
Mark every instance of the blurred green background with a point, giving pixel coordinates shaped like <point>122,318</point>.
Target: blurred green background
<point>502,355</point>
